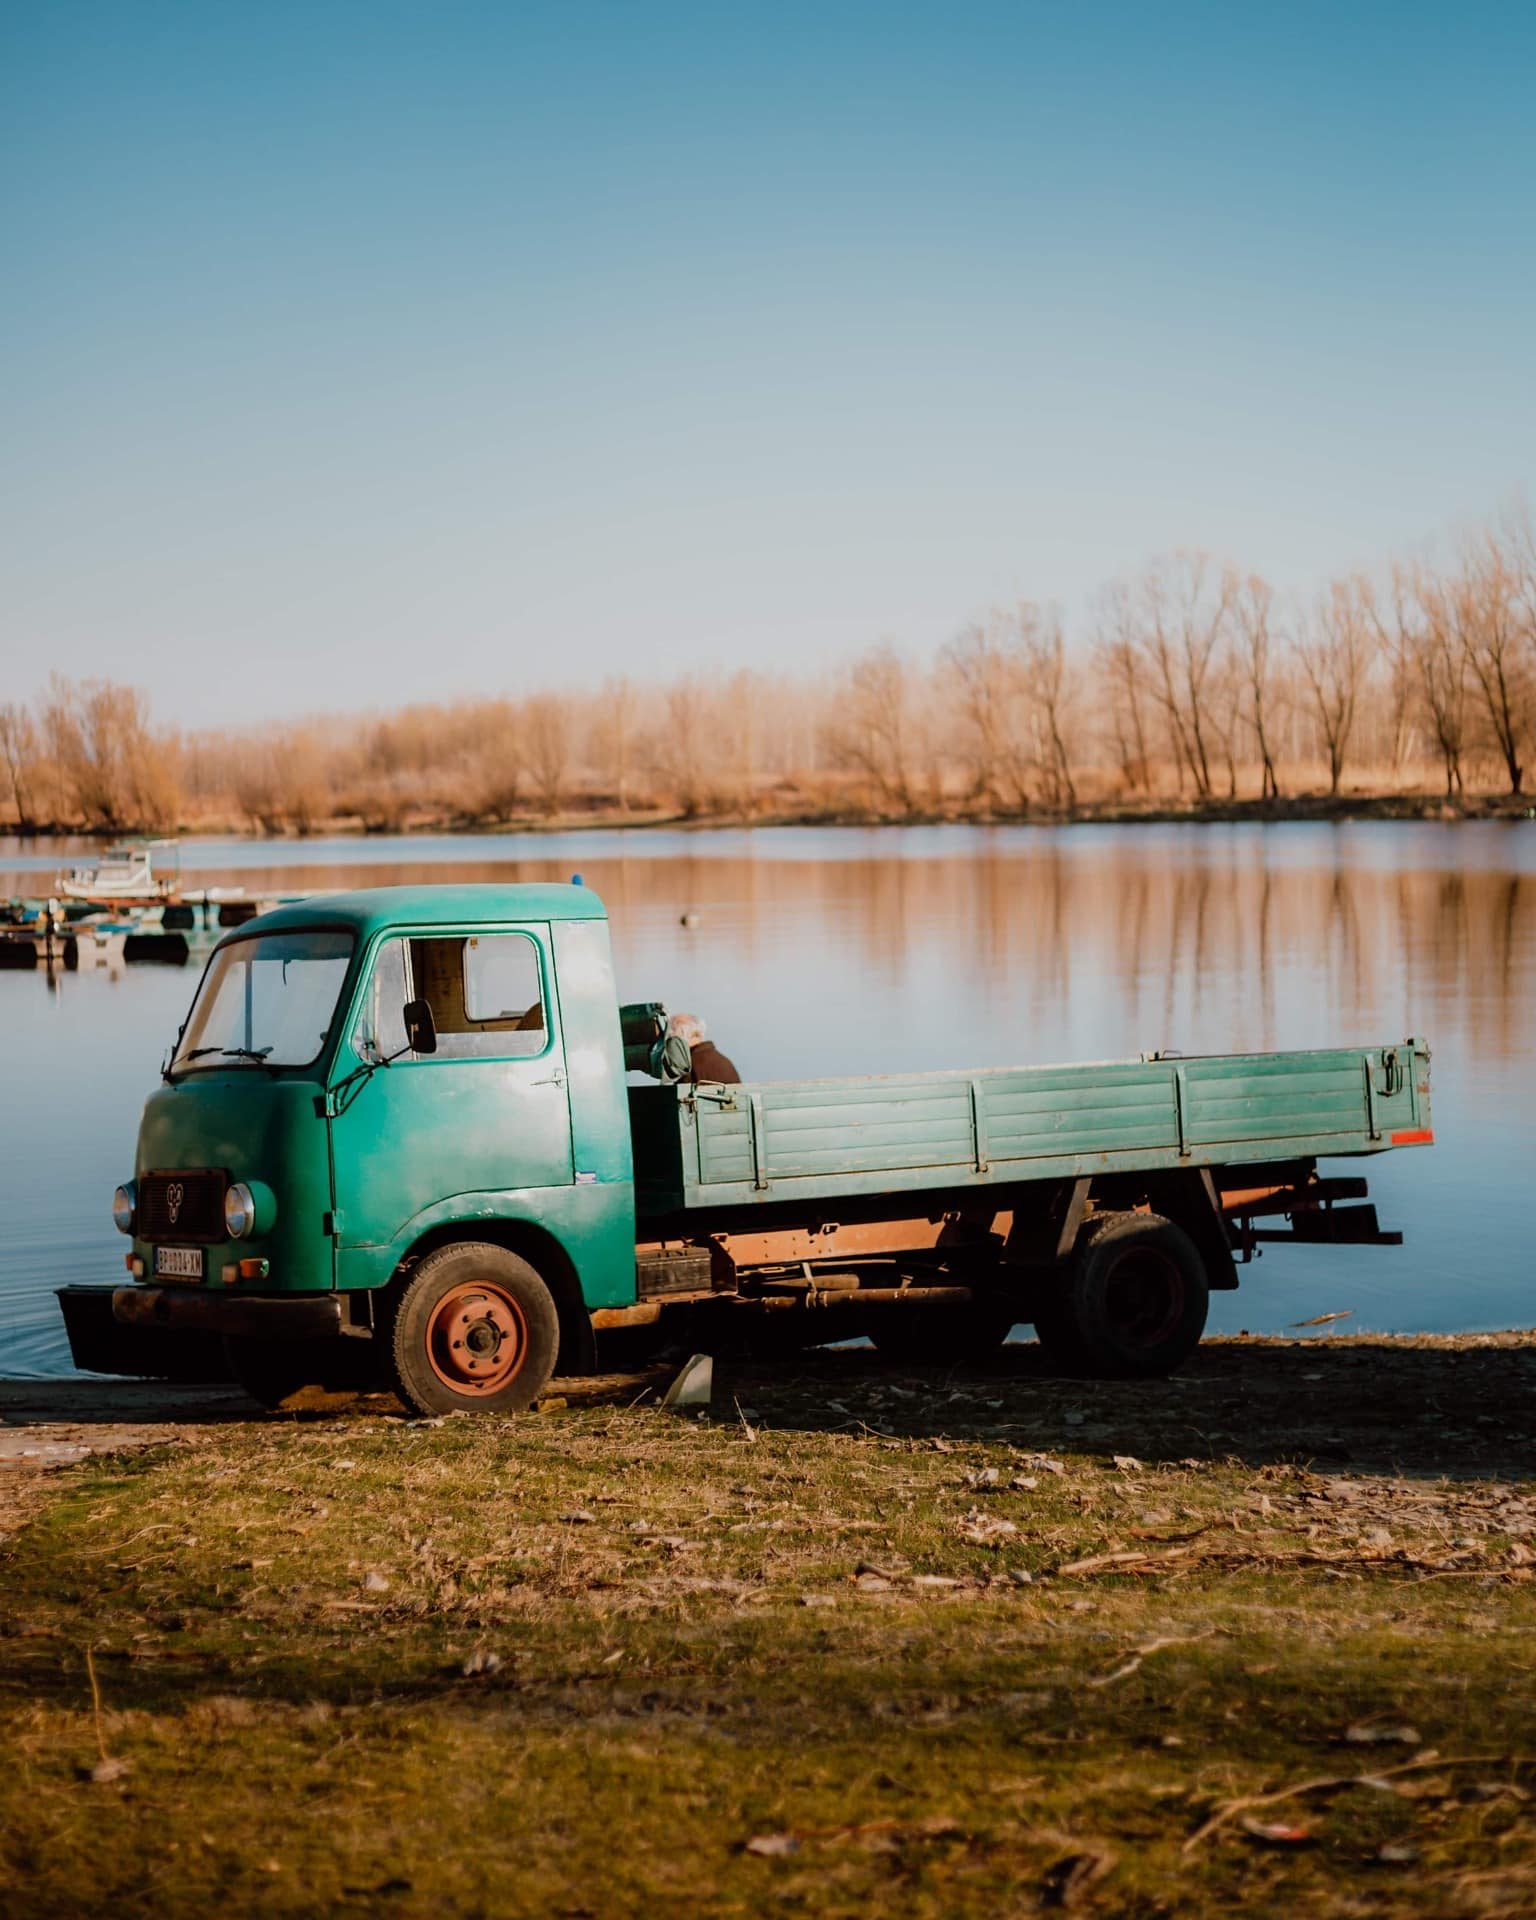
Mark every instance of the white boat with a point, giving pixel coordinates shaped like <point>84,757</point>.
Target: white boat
<point>136,871</point>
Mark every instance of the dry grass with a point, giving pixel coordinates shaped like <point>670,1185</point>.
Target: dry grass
<point>786,1658</point>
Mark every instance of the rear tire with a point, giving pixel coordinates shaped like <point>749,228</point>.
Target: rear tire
<point>475,1330</point>
<point>1133,1303</point>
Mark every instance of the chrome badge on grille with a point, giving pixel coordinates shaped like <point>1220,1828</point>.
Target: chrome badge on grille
<point>173,1199</point>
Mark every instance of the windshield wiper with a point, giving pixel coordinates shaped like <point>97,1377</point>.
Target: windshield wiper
<point>234,1053</point>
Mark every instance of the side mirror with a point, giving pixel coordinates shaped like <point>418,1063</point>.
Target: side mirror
<point>420,1027</point>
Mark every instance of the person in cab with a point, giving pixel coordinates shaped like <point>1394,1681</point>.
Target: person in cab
<point>706,1061</point>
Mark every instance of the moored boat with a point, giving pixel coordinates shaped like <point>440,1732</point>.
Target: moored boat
<point>145,870</point>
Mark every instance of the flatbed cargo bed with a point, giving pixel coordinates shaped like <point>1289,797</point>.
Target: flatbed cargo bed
<point>808,1140</point>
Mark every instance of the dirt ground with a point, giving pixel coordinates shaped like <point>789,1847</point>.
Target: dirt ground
<point>1390,1413</point>
<point>855,1638</point>
<point>48,1424</point>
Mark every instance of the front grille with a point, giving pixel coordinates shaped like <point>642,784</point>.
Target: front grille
<point>183,1206</point>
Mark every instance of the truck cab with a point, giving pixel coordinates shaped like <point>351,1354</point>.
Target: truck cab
<point>363,1081</point>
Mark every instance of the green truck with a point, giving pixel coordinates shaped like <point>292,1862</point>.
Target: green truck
<point>408,1138</point>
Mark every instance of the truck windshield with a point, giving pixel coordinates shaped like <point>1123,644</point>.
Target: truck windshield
<point>267,1001</point>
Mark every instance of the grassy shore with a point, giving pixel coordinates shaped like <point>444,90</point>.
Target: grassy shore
<point>857,1641</point>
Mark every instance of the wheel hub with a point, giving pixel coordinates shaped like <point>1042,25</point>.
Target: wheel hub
<point>477,1338</point>
<point>1145,1296</point>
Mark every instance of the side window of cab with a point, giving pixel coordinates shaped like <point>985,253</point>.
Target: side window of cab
<point>379,1033</point>
<point>486,992</point>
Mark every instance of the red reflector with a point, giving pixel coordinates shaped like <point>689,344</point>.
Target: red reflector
<point>1414,1137</point>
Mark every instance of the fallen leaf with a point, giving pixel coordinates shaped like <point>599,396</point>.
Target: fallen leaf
<point>772,1846</point>
<point>980,1529</point>
<point>1276,1833</point>
<point>1368,1734</point>
<point>106,1771</point>
<point>1072,1876</point>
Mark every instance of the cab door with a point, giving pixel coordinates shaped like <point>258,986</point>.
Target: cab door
<point>486,1113</point>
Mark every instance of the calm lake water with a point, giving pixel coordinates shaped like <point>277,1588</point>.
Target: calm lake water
<point>865,951</point>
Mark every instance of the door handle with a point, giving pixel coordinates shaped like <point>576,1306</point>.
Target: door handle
<point>556,1079</point>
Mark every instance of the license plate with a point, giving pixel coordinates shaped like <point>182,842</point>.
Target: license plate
<point>179,1263</point>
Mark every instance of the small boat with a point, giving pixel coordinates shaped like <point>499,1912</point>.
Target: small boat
<point>132,871</point>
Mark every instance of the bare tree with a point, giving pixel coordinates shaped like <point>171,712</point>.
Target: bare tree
<point>1048,680</point>
<point>18,750</point>
<point>1392,621</point>
<point>1185,607</point>
<point>59,727</point>
<point>1488,604</point>
<point>1254,650</point>
<point>1118,657</point>
<point>683,747</point>
<point>115,772</point>
<point>983,665</point>
<point>1441,669</point>
<point>1335,657</point>
<point>1517,542</point>
<point>613,737</point>
<point>546,747</point>
<point>739,714</point>
<point>875,731</point>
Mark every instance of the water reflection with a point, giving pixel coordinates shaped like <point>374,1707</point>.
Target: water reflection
<point>825,953</point>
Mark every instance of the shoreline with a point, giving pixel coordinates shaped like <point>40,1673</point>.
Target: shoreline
<point>1321,809</point>
<point>87,1413</point>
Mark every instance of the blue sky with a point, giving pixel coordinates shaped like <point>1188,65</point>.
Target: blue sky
<point>355,354</point>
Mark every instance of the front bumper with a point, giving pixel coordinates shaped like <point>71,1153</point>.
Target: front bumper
<point>98,1344</point>
<point>314,1316</point>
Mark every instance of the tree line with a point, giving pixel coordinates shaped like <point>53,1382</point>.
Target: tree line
<point>1191,684</point>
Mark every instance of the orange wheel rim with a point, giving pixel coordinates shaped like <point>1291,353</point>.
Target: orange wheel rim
<point>477,1338</point>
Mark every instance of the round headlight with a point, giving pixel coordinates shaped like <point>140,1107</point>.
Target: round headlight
<point>124,1205</point>
<point>239,1210</point>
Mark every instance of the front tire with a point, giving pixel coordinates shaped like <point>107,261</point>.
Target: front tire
<point>474,1331</point>
<point>1133,1303</point>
